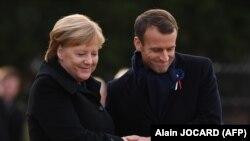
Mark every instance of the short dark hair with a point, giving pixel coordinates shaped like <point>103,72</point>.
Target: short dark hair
<point>159,18</point>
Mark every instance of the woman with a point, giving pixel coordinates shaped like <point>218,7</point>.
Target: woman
<point>12,114</point>
<point>64,101</point>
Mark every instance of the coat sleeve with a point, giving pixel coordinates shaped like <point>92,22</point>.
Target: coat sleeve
<point>209,103</point>
<point>56,115</point>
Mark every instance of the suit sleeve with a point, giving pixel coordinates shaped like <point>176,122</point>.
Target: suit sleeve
<point>57,116</point>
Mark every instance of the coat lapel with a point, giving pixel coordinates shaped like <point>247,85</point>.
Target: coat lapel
<point>140,99</point>
<point>171,99</point>
<point>145,108</point>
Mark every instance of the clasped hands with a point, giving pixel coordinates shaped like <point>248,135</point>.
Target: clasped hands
<point>136,138</point>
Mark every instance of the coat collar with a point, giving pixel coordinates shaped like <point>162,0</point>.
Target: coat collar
<point>139,77</point>
<point>54,70</point>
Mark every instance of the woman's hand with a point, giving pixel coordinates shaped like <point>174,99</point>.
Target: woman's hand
<point>136,138</point>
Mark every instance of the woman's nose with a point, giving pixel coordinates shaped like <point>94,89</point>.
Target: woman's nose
<point>88,59</point>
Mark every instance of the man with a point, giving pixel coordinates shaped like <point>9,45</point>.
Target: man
<point>162,86</point>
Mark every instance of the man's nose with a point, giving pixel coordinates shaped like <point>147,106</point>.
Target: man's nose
<point>164,55</point>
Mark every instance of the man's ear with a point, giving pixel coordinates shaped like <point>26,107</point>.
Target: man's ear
<point>60,52</point>
<point>137,43</point>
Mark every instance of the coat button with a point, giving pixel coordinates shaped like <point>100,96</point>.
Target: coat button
<point>101,108</point>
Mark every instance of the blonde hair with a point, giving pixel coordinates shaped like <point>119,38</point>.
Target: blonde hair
<point>73,30</point>
<point>6,71</point>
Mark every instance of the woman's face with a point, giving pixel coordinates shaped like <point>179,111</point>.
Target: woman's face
<point>80,60</point>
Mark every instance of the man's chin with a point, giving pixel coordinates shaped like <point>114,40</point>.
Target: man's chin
<point>160,71</point>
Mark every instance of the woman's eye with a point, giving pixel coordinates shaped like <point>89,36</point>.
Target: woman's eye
<point>80,54</point>
<point>94,53</point>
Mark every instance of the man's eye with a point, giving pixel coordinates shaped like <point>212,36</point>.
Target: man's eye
<point>157,50</point>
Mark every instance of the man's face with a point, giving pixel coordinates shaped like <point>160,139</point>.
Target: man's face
<point>158,50</point>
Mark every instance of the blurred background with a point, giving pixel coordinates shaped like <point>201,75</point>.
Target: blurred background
<point>218,29</point>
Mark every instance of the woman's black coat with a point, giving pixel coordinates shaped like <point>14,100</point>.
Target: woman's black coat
<point>61,109</point>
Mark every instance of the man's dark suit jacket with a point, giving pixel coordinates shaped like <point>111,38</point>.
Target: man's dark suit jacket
<point>60,109</point>
<point>198,102</point>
